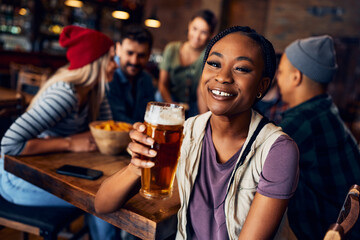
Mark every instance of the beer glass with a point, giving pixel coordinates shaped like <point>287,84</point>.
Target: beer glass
<point>164,123</point>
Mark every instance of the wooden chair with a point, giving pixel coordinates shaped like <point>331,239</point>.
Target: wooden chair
<point>29,83</point>
<point>348,216</point>
<point>46,222</point>
<point>15,68</point>
<point>30,79</point>
<point>27,79</point>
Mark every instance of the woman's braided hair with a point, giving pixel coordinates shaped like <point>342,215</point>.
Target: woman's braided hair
<point>267,48</point>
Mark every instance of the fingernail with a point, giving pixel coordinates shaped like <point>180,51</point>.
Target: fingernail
<point>150,140</point>
<point>152,152</point>
<point>150,164</point>
<point>142,128</point>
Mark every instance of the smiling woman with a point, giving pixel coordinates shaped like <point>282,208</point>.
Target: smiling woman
<point>180,69</point>
<point>232,78</point>
<point>236,171</point>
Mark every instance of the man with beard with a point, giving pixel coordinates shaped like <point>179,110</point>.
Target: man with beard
<point>132,87</point>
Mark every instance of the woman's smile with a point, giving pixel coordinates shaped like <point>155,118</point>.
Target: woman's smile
<point>221,94</point>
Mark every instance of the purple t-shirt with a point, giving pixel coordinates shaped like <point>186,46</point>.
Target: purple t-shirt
<point>206,215</point>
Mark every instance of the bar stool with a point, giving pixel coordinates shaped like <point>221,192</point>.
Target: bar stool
<point>46,222</point>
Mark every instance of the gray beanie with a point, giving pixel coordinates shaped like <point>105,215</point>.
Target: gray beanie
<point>314,57</point>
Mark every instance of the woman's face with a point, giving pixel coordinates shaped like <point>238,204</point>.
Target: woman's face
<point>198,33</point>
<point>232,75</point>
<point>110,68</point>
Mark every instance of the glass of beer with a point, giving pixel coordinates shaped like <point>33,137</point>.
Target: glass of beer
<point>164,123</point>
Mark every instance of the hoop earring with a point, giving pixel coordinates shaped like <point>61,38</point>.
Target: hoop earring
<point>258,95</point>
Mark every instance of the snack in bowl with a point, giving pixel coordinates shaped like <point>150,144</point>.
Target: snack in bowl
<point>110,136</point>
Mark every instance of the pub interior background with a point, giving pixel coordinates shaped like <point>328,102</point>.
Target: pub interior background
<point>29,31</point>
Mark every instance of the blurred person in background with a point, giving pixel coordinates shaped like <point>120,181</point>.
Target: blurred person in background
<point>271,105</point>
<point>181,67</point>
<point>329,155</point>
<point>132,87</point>
<point>57,119</point>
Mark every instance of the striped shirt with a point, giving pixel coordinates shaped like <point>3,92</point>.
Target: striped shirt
<point>329,166</point>
<point>56,113</point>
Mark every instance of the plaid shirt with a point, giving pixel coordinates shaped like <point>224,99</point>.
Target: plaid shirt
<point>272,109</point>
<point>329,166</point>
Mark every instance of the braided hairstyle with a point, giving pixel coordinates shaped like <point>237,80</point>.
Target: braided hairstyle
<point>267,49</point>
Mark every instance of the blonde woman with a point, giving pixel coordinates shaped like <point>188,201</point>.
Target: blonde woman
<point>71,98</point>
<point>57,118</point>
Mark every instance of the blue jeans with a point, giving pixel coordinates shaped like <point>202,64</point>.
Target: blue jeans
<point>18,191</point>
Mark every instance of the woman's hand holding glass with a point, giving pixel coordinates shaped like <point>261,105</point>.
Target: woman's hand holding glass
<point>140,145</point>
<point>112,195</point>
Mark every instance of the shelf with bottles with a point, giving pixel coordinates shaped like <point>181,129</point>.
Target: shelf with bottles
<point>14,19</point>
<point>35,25</point>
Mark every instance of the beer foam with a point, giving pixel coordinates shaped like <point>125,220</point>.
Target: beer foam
<point>164,116</point>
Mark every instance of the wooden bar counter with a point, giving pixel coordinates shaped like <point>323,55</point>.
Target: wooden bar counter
<point>10,102</point>
<point>146,219</point>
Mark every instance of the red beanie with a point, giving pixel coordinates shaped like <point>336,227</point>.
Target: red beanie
<point>83,45</point>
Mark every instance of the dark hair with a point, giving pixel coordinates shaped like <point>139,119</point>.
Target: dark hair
<point>137,33</point>
<point>209,18</point>
<point>267,48</point>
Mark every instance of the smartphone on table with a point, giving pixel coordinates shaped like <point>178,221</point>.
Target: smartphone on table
<point>81,172</point>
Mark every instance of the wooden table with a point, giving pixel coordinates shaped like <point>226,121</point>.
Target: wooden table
<point>8,96</point>
<point>146,219</point>
<point>10,101</point>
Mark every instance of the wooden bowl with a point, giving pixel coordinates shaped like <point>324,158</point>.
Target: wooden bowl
<point>110,142</point>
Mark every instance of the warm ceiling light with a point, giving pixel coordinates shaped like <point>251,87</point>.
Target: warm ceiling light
<point>120,15</point>
<point>74,3</point>
<point>22,11</point>
<point>154,23</point>
<point>55,29</point>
